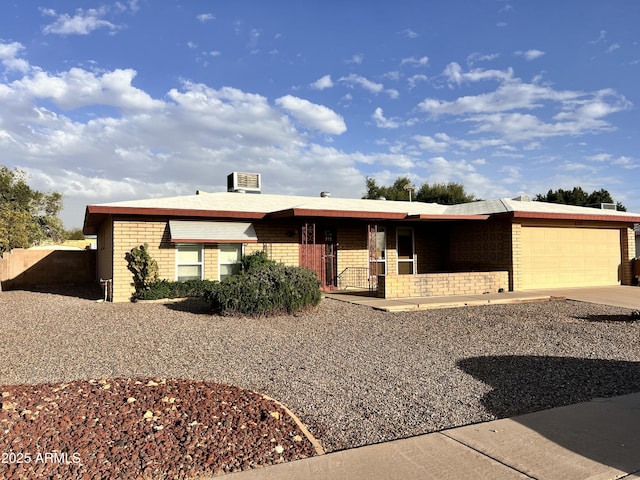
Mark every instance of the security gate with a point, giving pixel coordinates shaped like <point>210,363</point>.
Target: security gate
<point>318,252</point>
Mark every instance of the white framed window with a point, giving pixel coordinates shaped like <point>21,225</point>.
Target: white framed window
<point>229,255</point>
<point>405,249</point>
<point>189,261</point>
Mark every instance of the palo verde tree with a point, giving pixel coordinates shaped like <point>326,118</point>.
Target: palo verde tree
<point>446,194</point>
<point>577,196</point>
<point>27,217</point>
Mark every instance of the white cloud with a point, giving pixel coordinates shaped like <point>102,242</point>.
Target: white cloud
<point>613,47</point>
<point>194,135</point>
<point>316,117</point>
<point>9,53</point>
<point>205,17</point>
<point>392,92</point>
<point>358,58</point>
<point>82,23</point>
<point>441,142</point>
<point>408,33</point>
<point>382,122</point>
<point>322,83</point>
<point>517,111</point>
<point>476,57</point>
<point>363,82</point>
<point>432,144</point>
<point>416,62</point>
<point>415,79</point>
<point>454,74</point>
<point>77,88</point>
<point>441,170</point>
<point>623,161</point>
<point>530,54</point>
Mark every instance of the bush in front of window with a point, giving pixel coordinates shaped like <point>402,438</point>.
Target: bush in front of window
<point>143,267</point>
<point>255,261</point>
<point>167,289</point>
<point>265,290</point>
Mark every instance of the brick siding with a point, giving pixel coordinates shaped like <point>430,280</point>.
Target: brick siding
<point>440,284</point>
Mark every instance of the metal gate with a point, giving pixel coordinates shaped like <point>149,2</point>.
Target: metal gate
<point>372,240</point>
<point>318,252</point>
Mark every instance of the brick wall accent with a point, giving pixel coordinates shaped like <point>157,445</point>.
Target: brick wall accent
<point>440,284</point>
<point>480,246</point>
<point>128,234</point>
<point>280,240</point>
<point>352,246</point>
<point>515,282</point>
<point>628,244</point>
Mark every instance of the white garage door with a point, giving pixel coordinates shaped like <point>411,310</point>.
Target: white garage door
<point>569,257</point>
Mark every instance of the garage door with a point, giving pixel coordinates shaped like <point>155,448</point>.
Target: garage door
<point>569,257</point>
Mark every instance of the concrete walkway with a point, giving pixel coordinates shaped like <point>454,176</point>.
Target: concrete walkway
<point>594,440</point>
<point>597,440</point>
<point>616,295</point>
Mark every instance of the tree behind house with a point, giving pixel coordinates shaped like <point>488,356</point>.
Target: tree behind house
<point>577,196</point>
<point>27,216</point>
<point>446,194</point>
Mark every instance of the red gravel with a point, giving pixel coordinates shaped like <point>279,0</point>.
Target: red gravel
<point>142,428</point>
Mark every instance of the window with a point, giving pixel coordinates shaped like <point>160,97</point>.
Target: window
<point>189,264</point>
<point>405,251</point>
<point>381,250</point>
<point>229,255</point>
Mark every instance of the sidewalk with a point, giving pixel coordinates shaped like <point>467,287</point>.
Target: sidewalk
<point>595,440</point>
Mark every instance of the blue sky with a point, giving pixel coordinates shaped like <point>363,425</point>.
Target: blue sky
<point>109,101</point>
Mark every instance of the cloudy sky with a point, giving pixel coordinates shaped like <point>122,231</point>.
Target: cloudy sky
<point>108,101</point>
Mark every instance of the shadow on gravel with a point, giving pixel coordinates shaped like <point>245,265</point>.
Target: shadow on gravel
<point>190,305</point>
<point>631,318</point>
<point>523,384</point>
<point>605,431</point>
<point>86,291</point>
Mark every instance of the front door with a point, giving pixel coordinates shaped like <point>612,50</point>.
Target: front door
<point>319,252</point>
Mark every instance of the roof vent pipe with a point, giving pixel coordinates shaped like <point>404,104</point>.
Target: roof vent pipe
<point>325,194</point>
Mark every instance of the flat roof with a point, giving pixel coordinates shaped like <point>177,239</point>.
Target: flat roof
<point>248,206</point>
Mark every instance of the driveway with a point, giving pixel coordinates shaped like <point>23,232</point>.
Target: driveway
<point>615,295</point>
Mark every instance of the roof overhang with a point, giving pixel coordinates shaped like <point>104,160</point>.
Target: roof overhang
<point>351,214</point>
<point>197,231</point>
<point>96,214</point>
<point>451,218</point>
<point>628,219</point>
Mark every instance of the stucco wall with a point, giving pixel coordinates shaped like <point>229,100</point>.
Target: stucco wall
<point>22,268</point>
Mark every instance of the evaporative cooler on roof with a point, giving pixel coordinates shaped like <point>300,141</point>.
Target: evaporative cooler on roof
<point>244,182</point>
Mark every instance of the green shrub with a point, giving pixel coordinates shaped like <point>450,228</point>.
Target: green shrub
<point>255,260</point>
<point>270,289</point>
<point>167,289</point>
<point>143,267</point>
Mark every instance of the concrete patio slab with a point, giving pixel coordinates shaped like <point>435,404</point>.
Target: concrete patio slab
<point>598,440</point>
<point>425,457</point>
<point>426,303</point>
<point>616,295</point>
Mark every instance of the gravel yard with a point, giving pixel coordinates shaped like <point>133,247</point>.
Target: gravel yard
<point>353,375</point>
